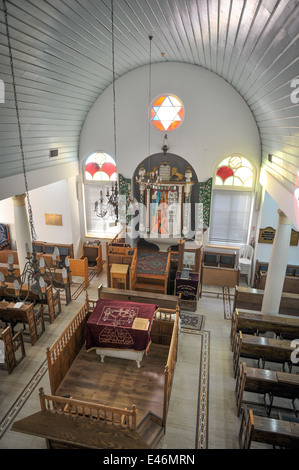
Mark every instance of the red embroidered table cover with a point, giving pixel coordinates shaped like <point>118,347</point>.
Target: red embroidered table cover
<point>112,324</point>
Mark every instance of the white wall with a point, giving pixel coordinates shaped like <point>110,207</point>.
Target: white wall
<point>52,199</point>
<point>269,218</point>
<point>217,120</point>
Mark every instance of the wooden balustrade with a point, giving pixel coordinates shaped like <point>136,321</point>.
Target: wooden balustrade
<point>93,411</point>
<point>170,365</point>
<point>65,349</point>
<point>133,272</point>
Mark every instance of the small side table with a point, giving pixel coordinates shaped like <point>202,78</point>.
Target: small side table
<point>118,274</point>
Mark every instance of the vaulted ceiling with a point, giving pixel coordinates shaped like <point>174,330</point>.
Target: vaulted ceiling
<point>62,61</point>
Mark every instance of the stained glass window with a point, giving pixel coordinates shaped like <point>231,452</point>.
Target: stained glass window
<point>235,171</point>
<point>167,112</point>
<point>232,201</point>
<point>99,171</point>
<point>100,166</point>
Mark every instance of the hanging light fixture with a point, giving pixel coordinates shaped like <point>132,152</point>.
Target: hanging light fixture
<point>36,273</point>
<point>108,208</point>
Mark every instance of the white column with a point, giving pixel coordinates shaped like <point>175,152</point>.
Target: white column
<point>277,266</point>
<point>22,230</point>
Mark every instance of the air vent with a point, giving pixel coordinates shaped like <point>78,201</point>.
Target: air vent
<point>53,153</point>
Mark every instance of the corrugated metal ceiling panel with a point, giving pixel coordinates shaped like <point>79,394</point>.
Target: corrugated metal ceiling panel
<point>62,59</point>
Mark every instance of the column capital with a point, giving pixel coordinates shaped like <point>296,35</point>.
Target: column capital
<point>283,219</point>
<point>19,200</point>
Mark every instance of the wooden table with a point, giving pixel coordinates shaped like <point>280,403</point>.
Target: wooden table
<point>118,273</point>
<point>266,382</point>
<point>79,433</point>
<point>28,314</point>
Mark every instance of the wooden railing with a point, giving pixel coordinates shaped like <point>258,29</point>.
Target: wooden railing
<point>170,365</point>
<point>167,272</point>
<point>65,349</point>
<point>11,345</point>
<point>97,412</point>
<point>133,271</point>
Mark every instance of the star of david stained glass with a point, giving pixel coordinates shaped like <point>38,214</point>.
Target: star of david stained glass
<point>167,112</point>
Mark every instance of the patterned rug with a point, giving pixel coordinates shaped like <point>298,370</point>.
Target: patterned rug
<point>227,303</point>
<point>191,321</point>
<point>203,394</point>
<point>151,262</point>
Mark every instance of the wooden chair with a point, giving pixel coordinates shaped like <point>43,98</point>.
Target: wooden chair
<point>12,345</point>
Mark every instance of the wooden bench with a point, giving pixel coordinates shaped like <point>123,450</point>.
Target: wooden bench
<point>218,276</point>
<point>52,300</point>
<point>275,432</point>
<point>29,314</point>
<point>13,346</point>
<point>248,298</point>
<point>48,248</point>
<point>266,382</point>
<point>291,282</point>
<point>93,253</point>
<point>255,323</point>
<point>163,300</point>
<point>4,254</point>
<point>79,268</point>
<point>263,349</point>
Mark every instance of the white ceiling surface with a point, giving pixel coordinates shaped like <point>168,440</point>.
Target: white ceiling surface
<point>62,60</point>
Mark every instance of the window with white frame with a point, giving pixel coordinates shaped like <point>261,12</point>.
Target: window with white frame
<point>99,173</point>
<point>232,201</point>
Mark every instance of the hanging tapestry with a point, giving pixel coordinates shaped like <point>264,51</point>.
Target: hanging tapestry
<point>160,212</point>
<point>204,197</point>
<point>124,188</point>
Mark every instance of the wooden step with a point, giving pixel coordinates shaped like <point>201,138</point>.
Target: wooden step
<point>151,429</point>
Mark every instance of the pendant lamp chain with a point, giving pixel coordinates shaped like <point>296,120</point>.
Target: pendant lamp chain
<point>150,93</point>
<point>32,229</point>
<point>113,76</point>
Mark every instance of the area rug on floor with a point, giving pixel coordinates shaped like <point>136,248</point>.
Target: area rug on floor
<point>203,394</point>
<point>227,303</point>
<point>191,321</point>
<point>151,262</point>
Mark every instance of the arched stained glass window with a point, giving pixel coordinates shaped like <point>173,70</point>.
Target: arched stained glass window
<point>99,172</point>
<point>167,112</point>
<point>100,166</point>
<point>235,171</point>
<point>232,201</point>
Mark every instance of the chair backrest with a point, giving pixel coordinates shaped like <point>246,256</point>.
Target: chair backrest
<point>246,251</point>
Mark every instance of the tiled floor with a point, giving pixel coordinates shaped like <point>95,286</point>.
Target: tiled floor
<point>223,423</point>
